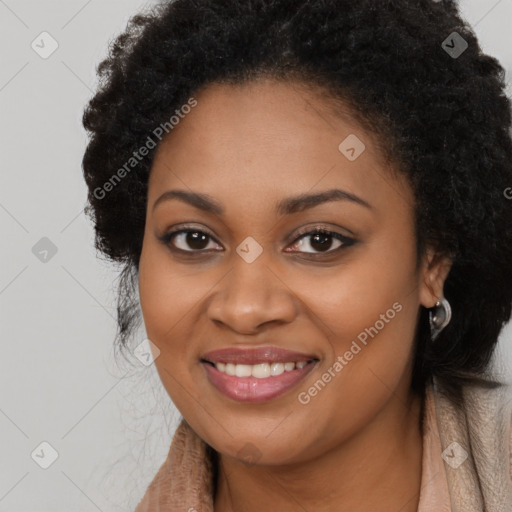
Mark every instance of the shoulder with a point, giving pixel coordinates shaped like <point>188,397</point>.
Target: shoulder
<point>482,418</point>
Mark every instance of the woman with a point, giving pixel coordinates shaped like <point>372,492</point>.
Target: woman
<point>308,198</point>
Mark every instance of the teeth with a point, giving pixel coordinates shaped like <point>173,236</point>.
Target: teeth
<point>243,370</point>
<point>288,367</point>
<point>260,371</point>
<point>276,369</point>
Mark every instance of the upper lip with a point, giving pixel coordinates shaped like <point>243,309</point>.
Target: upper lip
<point>255,355</point>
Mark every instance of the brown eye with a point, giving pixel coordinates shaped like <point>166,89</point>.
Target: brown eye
<point>188,240</point>
<point>321,241</point>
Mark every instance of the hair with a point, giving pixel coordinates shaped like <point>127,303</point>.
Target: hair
<point>443,120</point>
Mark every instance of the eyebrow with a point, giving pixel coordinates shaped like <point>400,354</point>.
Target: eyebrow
<point>286,206</point>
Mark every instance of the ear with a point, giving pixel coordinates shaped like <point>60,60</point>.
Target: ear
<point>434,271</point>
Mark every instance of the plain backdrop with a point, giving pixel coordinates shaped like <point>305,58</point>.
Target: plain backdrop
<point>109,425</point>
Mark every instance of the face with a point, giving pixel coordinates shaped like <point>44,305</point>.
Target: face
<point>232,271</point>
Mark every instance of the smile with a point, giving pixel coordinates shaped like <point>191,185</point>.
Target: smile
<point>256,382</point>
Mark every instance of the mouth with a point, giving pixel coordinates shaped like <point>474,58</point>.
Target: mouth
<point>256,375</point>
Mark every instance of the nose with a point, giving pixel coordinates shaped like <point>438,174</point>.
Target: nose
<point>250,296</point>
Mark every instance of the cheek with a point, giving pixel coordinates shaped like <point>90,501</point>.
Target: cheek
<point>165,292</point>
<point>171,296</point>
<point>355,295</point>
<point>165,299</point>
<point>154,292</point>
<point>368,311</point>
<point>369,315</point>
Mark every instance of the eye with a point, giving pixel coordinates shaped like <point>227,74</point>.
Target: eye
<point>195,239</point>
<point>321,240</point>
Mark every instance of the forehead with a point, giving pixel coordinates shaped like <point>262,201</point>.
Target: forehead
<point>267,139</point>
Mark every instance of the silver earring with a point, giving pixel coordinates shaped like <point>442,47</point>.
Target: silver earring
<point>440,317</point>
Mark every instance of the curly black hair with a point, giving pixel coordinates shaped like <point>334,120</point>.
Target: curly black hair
<point>442,117</point>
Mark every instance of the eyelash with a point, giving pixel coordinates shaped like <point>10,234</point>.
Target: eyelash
<point>346,241</point>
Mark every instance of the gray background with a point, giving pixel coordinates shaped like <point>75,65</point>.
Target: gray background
<point>110,425</point>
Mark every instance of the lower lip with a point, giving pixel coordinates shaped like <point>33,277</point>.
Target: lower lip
<point>251,389</point>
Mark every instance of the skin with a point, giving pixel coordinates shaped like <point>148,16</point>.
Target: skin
<point>356,446</point>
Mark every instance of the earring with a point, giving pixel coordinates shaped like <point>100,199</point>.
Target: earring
<point>440,317</point>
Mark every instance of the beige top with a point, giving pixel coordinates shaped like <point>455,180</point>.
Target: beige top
<point>184,482</point>
<point>434,494</point>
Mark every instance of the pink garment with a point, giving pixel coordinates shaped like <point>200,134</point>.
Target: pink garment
<point>184,482</point>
